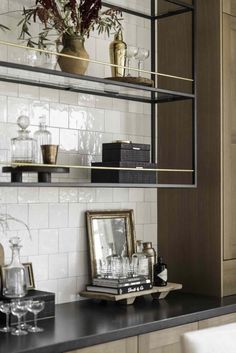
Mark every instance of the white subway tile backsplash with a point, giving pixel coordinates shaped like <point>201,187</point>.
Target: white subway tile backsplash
<point>66,290</point>
<point>59,115</point>
<point>38,216</point>
<point>28,195</point>
<point>58,215</point>
<point>78,264</point>
<point>120,195</point>
<point>48,241</point>
<point>8,195</point>
<point>48,194</point>
<point>77,214</point>
<point>40,267</point>
<point>3,110</point>
<point>68,240</point>
<point>68,195</point>
<point>20,212</point>
<point>58,266</point>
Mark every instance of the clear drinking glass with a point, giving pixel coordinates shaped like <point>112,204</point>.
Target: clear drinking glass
<point>6,309</point>
<point>131,52</point>
<point>35,307</point>
<point>19,309</point>
<point>141,55</point>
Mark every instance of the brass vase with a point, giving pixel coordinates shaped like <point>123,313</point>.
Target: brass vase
<point>118,55</point>
<point>73,45</point>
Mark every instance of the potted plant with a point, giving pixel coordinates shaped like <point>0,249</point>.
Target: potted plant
<point>71,21</point>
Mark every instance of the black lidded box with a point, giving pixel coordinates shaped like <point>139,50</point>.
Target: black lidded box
<point>125,152</point>
<point>47,312</point>
<point>124,176</point>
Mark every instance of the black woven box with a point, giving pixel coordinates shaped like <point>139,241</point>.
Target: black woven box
<point>48,312</point>
<point>124,176</point>
<point>125,152</point>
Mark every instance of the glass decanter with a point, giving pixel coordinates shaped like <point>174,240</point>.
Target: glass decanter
<point>42,137</point>
<point>13,275</point>
<point>23,146</point>
<point>140,261</point>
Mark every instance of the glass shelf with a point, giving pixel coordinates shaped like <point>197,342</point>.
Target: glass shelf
<point>47,78</point>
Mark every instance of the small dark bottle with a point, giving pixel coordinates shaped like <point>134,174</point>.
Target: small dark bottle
<point>160,273</point>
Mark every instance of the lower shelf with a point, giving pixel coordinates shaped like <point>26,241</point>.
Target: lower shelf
<point>156,292</point>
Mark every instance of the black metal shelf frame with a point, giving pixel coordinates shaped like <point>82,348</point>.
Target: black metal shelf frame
<point>110,89</point>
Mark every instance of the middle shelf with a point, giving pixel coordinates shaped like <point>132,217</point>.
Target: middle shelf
<point>47,78</point>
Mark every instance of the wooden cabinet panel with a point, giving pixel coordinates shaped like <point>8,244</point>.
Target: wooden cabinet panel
<point>164,341</point>
<point>229,277</point>
<point>229,136</point>
<point>217,321</point>
<point>229,7</point>
<point>128,345</point>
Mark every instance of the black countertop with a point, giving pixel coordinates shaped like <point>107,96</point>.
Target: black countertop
<point>85,323</point>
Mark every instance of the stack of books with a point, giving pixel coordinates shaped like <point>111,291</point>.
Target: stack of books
<point>120,285</point>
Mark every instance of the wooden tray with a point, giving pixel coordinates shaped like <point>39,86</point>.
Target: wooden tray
<point>134,80</point>
<point>156,292</point>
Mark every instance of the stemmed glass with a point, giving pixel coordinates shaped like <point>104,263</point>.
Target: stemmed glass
<point>142,55</point>
<point>6,309</point>
<point>35,307</point>
<point>131,52</point>
<point>24,325</point>
<point>19,309</point>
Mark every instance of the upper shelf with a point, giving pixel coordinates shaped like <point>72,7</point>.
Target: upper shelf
<point>38,76</point>
<point>163,8</point>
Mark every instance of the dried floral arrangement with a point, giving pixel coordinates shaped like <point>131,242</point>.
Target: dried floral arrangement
<point>67,17</point>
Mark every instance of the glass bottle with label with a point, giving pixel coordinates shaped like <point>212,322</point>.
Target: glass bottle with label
<point>140,261</point>
<point>42,137</point>
<point>23,146</point>
<point>13,275</point>
<point>160,273</point>
<point>151,254</point>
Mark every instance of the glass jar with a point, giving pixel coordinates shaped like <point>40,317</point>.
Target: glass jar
<point>13,275</point>
<point>23,146</point>
<point>140,262</point>
<point>42,137</point>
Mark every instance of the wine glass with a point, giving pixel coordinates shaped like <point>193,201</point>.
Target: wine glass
<point>131,52</point>
<point>19,309</point>
<point>142,55</point>
<point>6,309</point>
<point>35,307</point>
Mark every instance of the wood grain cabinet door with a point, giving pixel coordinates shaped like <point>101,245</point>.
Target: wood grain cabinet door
<point>229,135</point>
<point>217,321</point>
<point>229,7</point>
<point>128,345</point>
<point>164,341</point>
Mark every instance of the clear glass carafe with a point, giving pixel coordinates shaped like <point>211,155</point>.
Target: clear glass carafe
<point>13,275</point>
<point>140,261</point>
<point>42,137</point>
<point>23,146</point>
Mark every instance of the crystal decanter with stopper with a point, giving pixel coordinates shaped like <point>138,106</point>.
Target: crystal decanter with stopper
<point>42,137</point>
<point>23,146</point>
<point>13,275</point>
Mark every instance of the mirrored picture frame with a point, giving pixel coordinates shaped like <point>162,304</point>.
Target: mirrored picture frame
<point>107,231</point>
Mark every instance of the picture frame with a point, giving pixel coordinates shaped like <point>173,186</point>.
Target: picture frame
<point>106,229</point>
<point>29,275</point>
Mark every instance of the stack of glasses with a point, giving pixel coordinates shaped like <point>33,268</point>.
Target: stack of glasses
<point>20,308</point>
